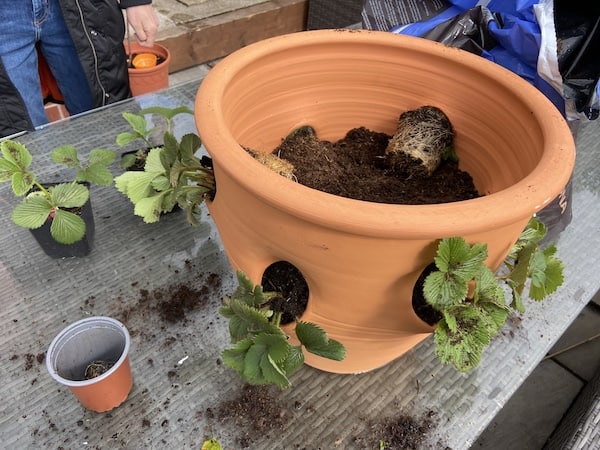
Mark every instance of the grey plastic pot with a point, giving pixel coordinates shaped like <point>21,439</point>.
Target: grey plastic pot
<point>81,343</point>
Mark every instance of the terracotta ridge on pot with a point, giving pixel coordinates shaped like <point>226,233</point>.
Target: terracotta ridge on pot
<point>360,259</point>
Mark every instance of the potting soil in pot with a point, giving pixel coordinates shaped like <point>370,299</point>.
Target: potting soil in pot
<point>356,167</point>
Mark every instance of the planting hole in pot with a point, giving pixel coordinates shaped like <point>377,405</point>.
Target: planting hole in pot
<point>288,281</point>
<point>422,309</point>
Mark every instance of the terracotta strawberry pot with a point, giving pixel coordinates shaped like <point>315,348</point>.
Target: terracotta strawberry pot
<point>361,260</point>
<point>148,78</point>
<point>77,351</point>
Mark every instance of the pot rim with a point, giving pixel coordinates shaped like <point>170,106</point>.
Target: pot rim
<point>527,196</point>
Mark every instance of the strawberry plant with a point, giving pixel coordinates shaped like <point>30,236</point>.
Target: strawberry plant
<point>140,130</point>
<point>59,202</point>
<point>172,175</point>
<point>262,353</point>
<point>471,298</point>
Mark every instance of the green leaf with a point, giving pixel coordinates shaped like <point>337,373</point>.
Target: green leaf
<point>262,353</point>
<point>14,166</point>
<point>153,161</point>
<point>7,169</point>
<point>487,288</point>
<point>272,373</point>
<point>211,444</point>
<point>251,295</point>
<point>517,301</point>
<point>546,274</point>
<point>32,212</point>
<point>494,316</point>
<point>468,268</point>
<point>126,137</point>
<point>468,324</point>
<point>554,270</point>
<point>136,185</point>
<point>127,161</point>
<point>462,348</point>
<point>311,335</point>
<point>294,360</point>
<point>67,227</point>
<point>170,151</point>
<point>138,124</point>
<point>175,173</point>
<point>245,290</point>
<point>315,341</point>
<point>245,320</point>
<point>149,208</point>
<point>537,272</point>
<point>95,173</point>
<point>458,264</point>
<point>168,201</point>
<point>65,154</point>
<point>450,320</point>
<point>167,113</point>
<point>276,345</point>
<point>457,257</point>
<point>442,290</point>
<point>101,156</point>
<point>450,250</point>
<point>520,270</point>
<point>262,357</point>
<point>16,153</point>
<point>71,195</point>
<point>234,357</point>
<point>192,214</point>
<point>190,143</point>
<point>533,233</point>
<point>22,182</point>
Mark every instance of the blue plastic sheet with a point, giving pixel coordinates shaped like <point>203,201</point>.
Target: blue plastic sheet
<point>520,35</point>
<point>553,44</point>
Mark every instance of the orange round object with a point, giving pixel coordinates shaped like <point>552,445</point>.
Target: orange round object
<point>144,60</point>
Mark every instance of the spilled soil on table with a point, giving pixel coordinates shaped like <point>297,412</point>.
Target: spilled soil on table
<point>259,413</point>
<point>173,302</point>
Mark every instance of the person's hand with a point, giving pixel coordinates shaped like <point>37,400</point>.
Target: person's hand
<point>144,21</point>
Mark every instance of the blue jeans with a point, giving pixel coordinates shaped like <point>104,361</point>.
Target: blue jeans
<point>25,24</point>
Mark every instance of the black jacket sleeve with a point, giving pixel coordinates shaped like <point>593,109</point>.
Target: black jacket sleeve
<point>129,3</point>
<point>13,112</point>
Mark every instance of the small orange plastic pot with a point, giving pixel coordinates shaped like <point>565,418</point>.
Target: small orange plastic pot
<point>86,341</point>
<point>148,77</point>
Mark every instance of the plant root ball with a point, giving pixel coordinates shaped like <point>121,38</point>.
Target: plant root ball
<point>274,162</point>
<point>421,138</point>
